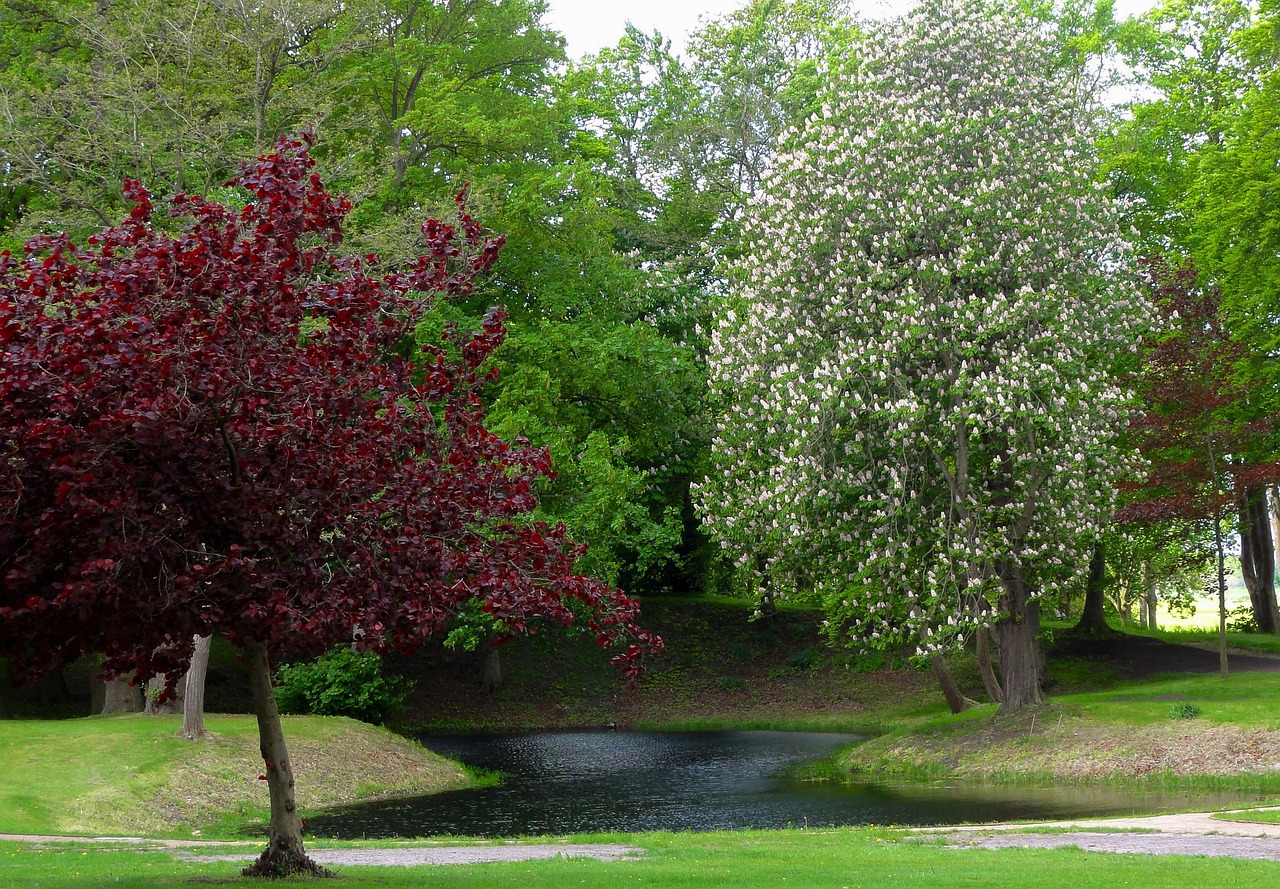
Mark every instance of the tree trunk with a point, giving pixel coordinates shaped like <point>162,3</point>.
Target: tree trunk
<point>193,699</point>
<point>1222,592</point>
<point>121,697</point>
<point>1017,631</point>
<point>1153,599</point>
<point>151,695</point>
<point>1093,619</point>
<point>1257,558</point>
<point>51,688</point>
<point>955,698</point>
<point>1274,498</point>
<point>989,681</point>
<point>491,669</point>
<point>284,855</point>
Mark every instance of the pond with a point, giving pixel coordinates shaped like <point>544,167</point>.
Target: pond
<point>592,782</point>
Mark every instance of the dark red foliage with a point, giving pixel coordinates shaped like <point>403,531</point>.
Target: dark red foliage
<point>216,431</point>
<point>1199,409</point>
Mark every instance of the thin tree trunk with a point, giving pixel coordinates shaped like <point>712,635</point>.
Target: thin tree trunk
<point>1017,630</point>
<point>1153,599</point>
<point>1093,619</point>
<point>193,700</point>
<point>491,669</point>
<point>1257,558</point>
<point>284,855</point>
<point>1222,593</point>
<point>121,697</point>
<point>989,681</point>
<point>1274,500</point>
<point>955,698</point>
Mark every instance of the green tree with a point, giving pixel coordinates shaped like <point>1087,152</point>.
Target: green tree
<point>915,370</point>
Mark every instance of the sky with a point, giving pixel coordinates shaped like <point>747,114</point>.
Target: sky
<point>589,25</point>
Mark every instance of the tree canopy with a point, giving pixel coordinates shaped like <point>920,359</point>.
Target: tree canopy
<point>220,431</point>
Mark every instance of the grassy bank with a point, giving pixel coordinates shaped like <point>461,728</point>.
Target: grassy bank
<point>131,775</point>
<point>720,669</point>
<point>1194,731</point>
<point>821,859</point>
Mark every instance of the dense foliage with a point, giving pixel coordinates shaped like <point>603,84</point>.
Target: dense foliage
<point>219,431</point>
<point>920,408</point>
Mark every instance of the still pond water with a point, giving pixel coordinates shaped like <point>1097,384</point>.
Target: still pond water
<point>589,782</point>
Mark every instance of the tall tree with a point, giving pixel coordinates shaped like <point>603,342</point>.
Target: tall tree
<point>220,431</point>
<point>916,369</point>
<point>1197,430</point>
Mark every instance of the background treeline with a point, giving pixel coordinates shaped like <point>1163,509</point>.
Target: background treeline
<point>619,181</point>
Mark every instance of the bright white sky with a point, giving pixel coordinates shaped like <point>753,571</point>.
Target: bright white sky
<point>589,25</point>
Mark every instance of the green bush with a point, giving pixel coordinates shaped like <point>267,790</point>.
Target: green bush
<point>341,682</point>
<point>1184,710</point>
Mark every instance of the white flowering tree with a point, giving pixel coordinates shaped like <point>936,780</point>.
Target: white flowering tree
<point>918,406</point>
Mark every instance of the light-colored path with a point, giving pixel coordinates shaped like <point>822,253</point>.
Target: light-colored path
<point>1187,834</point>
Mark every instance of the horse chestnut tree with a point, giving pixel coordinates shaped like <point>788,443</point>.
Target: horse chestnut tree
<point>227,429</point>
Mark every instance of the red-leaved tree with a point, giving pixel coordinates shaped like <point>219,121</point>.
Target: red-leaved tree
<point>1207,447</point>
<point>223,431</point>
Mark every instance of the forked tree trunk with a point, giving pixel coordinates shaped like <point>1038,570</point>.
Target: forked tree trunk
<point>193,700</point>
<point>121,697</point>
<point>1093,619</point>
<point>955,698</point>
<point>284,855</point>
<point>1017,631</point>
<point>989,681</point>
<point>1257,558</point>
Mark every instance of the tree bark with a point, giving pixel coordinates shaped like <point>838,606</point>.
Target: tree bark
<point>1257,558</point>
<point>955,698</point>
<point>284,855</point>
<point>989,680</point>
<point>491,670</point>
<point>121,697</point>
<point>1152,599</point>
<point>193,700</point>
<point>51,688</point>
<point>1093,619</point>
<point>1017,631</point>
<point>1222,592</point>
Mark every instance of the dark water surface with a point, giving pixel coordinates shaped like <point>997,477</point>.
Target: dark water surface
<point>592,782</point>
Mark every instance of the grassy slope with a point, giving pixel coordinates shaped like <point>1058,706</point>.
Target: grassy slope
<point>720,669</point>
<point>130,774</point>
<point>1121,733</point>
<point>821,859</point>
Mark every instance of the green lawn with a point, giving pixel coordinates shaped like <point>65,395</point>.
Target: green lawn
<point>822,859</point>
<point>131,774</point>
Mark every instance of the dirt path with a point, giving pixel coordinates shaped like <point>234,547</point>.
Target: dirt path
<point>1186,834</point>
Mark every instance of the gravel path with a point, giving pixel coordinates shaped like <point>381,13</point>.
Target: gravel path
<point>1186,834</point>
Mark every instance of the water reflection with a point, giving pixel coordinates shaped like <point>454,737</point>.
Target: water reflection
<point>588,782</point>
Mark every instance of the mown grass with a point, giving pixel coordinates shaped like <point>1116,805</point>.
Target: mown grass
<point>823,859</point>
<point>1082,738</point>
<point>1251,816</point>
<point>131,774</point>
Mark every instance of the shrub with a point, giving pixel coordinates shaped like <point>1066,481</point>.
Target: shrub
<point>1184,710</point>
<point>1242,620</point>
<point>341,682</point>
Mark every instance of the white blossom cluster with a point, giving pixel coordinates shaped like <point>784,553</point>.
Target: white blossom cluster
<point>916,368</point>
